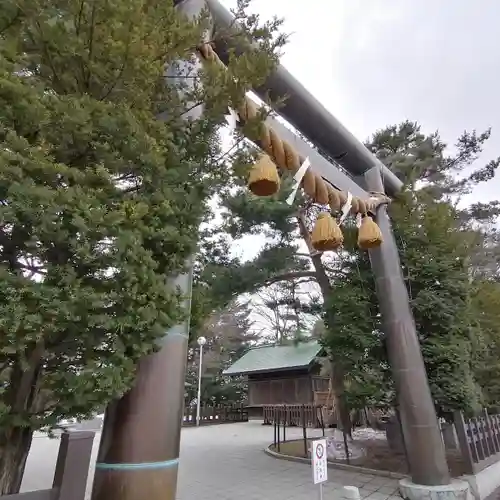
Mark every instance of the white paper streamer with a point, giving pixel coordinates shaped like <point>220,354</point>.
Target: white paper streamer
<point>231,119</point>
<point>346,208</point>
<point>299,175</point>
<point>359,218</point>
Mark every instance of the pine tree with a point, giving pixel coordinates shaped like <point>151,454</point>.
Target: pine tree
<point>440,249</point>
<point>485,302</point>
<point>434,257</point>
<point>100,201</point>
<point>222,277</point>
<point>352,330</point>
<point>287,258</point>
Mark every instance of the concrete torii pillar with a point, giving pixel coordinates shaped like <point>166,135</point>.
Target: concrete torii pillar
<point>430,476</point>
<point>139,451</point>
<point>421,431</point>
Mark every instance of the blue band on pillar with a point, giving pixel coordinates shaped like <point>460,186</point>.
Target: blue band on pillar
<point>147,465</point>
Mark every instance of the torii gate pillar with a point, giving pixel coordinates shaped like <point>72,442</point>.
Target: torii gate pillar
<point>425,448</point>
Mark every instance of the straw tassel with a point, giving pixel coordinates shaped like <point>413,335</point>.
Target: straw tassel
<point>326,234</point>
<point>264,179</point>
<point>369,235</point>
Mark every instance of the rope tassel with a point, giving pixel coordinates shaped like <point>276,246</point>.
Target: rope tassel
<point>264,179</point>
<point>326,234</point>
<point>369,235</point>
<point>287,158</point>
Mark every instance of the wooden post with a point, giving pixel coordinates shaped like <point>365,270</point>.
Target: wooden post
<point>491,431</point>
<point>275,436</point>
<point>304,431</point>
<point>284,423</point>
<point>484,433</point>
<point>481,452</point>
<point>322,421</point>
<point>346,447</point>
<point>463,442</point>
<point>278,423</point>
<point>72,466</point>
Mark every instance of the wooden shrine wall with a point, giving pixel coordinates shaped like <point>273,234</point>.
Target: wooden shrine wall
<point>290,387</point>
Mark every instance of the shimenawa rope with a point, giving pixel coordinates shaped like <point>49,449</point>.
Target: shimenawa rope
<point>285,156</point>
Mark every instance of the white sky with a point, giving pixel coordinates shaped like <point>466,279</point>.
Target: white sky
<point>374,63</point>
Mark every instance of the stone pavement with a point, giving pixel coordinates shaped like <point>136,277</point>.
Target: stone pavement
<point>227,462</point>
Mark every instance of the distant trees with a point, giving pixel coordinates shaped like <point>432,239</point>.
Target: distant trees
<point>450,256</point>
<point>229,334</point>
<point>443,250</point>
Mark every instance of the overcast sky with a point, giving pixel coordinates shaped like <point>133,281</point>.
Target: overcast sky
<point>379,62</point>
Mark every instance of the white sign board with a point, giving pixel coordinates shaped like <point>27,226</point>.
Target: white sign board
<point>318,457</point>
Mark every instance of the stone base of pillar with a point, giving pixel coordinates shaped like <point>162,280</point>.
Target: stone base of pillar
<point>456,490</point>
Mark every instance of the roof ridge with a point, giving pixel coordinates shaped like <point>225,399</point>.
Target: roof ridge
<point>302,342</point>
<point>296,355</point>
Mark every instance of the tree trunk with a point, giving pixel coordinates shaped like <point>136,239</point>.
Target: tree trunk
<point>15,445</point>
<point>337,378</point>
<point>336,372</point>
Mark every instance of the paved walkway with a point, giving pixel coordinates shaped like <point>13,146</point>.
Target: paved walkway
<point>224,462</point>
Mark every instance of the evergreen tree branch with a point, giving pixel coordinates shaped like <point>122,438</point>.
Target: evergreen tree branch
<point>290,276</point>
<point>122,67</point>
<point>47,54</point>
<point>90,53</point>
<point>11,22</point>
<point>78,21</point>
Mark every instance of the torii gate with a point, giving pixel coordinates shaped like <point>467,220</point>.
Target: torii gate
<point>139,452</point>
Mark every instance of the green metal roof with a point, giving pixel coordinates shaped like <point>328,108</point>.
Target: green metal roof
<point>275,358</point>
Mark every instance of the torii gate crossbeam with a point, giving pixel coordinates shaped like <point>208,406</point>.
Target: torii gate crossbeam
<point>302,110</point>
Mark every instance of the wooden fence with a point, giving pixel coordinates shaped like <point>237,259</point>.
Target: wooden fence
<point>304,416</point>
<point>479,440</point>
<point>294,415</point>
<point>216,414</point>
<point>315,416</point>
<point>72,468</point>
